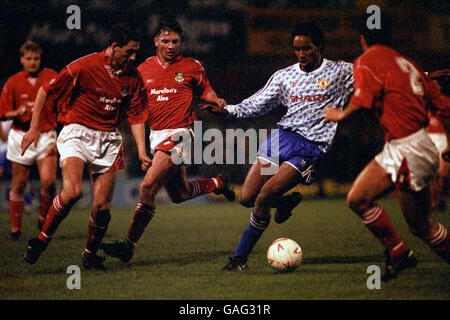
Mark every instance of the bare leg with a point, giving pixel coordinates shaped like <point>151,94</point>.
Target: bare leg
<point>20,175</point>
<point>47,172</point>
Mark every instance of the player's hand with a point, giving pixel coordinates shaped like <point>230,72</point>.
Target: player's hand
<point>446,154</point>
<point>21,111</point>
<point>30,137</point>
<point>146,162</point>
<point>333,114</point>
<point>221,102</point>
<point>214,108</point>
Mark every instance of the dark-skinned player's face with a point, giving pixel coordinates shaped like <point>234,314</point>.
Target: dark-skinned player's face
<point>308,54</point>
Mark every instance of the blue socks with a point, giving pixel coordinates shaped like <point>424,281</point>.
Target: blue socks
<point>251,235</point>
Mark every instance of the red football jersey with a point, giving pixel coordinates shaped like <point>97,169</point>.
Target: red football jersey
<point>170,91</point>
<point>21,90</point>
<point>91,93</point>
<point>398,90</point>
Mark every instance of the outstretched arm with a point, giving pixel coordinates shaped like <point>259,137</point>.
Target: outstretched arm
<point>336,115</point>
<point>212,97</point>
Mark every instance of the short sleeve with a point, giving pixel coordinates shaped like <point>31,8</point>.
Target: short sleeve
<point>367,87</point>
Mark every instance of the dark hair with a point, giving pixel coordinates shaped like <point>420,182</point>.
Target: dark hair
<point>122,33</point>
<point>168,24</point>
<point>380,35</point>
<point>30,46</point>
<point>310,29</point>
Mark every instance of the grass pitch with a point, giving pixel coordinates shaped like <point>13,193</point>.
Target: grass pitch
<point>181,254</point>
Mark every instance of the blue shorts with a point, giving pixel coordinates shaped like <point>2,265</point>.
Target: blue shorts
<point>293,149</point>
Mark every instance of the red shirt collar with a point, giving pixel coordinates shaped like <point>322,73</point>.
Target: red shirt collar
<point>26,75</point>
<point>177,59</point>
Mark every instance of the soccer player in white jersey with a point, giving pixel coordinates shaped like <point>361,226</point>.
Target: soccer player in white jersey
<point>303,136</point>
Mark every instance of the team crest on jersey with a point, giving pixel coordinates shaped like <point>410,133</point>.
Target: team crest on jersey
<point>124,91</point>
<point>179,77</point>
<point>323,83</point>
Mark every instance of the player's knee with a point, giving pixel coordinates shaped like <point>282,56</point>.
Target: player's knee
<point>147,189</point>
<point>73,193</point>
<point>356,203</point>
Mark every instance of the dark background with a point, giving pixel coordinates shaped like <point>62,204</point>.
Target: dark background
<point>241,44</point>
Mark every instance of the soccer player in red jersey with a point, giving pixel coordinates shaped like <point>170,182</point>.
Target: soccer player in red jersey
<point>171,82</point>
<point>400,94</point>
<point>17,103</point>
<point>94,90</point>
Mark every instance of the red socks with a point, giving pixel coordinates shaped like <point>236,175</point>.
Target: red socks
<point>57,212</point>
<point>15,211</point>
<point>439,242</point>
<point>98,224</point>
<point>377,221</point>
<point>45,203</point>
<point>142,216</point>
<point>203,186</point>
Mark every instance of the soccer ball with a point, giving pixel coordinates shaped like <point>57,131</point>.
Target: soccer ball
<point>284,255</point>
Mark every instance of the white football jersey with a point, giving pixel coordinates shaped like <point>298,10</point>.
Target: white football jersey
<point>305,95</point>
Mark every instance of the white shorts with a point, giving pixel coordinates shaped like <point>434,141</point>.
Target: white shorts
<point>46,147</point>
<point>178,142</point>
<point>100,150</point>
<point>411,162</point>
<point>440,140</point>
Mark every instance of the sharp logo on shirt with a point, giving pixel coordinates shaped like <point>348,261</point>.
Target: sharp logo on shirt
<point>179,77</point>
<point>323,83</point>
<point>317,97</point>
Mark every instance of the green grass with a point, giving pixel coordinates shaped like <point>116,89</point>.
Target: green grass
<point>181,254</point>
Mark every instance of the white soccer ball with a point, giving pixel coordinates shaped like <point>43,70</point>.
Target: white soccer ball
<point>284,255</point>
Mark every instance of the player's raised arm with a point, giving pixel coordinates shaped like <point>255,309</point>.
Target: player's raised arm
<point>33,133</point>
